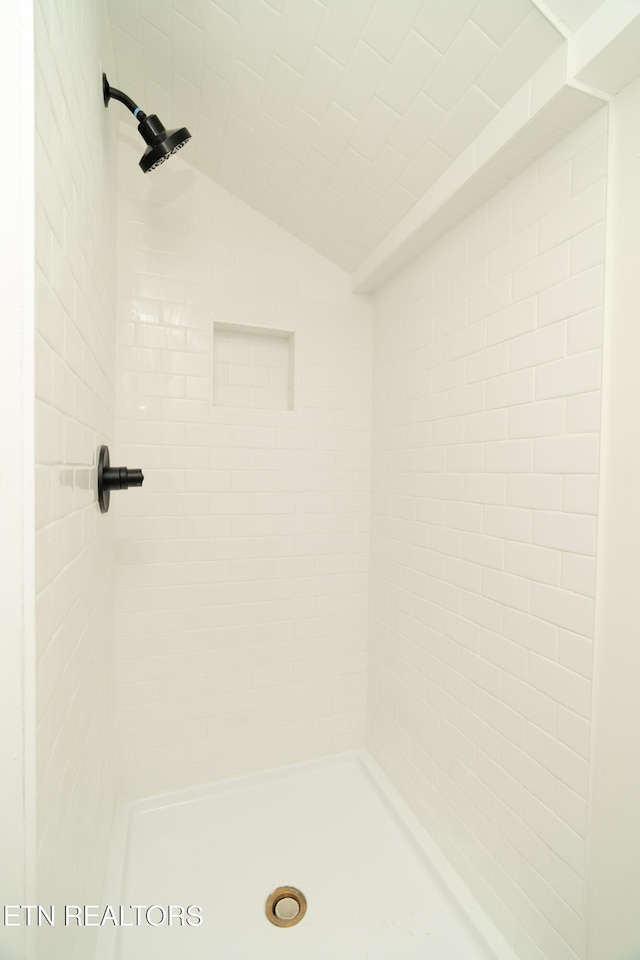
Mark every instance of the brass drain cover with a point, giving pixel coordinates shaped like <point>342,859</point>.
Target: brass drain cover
<point>286,906</point>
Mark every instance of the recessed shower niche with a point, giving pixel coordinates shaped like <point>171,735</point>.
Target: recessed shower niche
<point>253,367</point>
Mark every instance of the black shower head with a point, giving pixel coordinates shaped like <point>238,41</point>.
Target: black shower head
<point>161,143</point>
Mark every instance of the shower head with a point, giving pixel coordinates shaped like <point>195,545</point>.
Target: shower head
<point>161,143</point>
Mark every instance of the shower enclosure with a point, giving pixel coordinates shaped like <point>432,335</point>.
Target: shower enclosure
<point>380,579</point>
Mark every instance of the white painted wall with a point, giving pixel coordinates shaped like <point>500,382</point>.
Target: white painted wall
<point>75,397</point>
<point>487,364</point>
<point>17,822</point>
<point>243,563</point>
<point>614,876</point>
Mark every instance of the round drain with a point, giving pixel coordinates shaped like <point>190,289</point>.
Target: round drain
<point>286,906</point>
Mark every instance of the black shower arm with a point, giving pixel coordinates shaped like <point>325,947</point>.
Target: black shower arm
<point>111,93</point>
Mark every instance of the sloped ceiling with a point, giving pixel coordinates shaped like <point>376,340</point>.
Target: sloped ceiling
<point>332,117</point>
<point>572,13</point>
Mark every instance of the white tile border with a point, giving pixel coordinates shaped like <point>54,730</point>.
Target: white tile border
<point>545,110</point>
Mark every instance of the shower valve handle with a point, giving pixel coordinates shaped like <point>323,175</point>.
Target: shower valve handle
<point>121,478</point>
<point>114,478</point>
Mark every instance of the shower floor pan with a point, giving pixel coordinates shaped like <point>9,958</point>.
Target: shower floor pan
<point>376,888</point>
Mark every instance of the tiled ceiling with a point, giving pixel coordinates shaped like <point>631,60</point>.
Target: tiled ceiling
<point>573,13</point>
<point>330,116</point>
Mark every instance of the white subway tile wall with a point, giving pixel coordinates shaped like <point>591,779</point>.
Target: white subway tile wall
<point>487,360</point>
<point>75,407</point>
<point>242,582</point>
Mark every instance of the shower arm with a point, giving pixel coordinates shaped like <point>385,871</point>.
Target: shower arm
<point>111,93</point>
<point>161,143</point>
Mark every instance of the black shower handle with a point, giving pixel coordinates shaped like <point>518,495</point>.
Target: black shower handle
<point>121,478</point>
<point>114,478</point>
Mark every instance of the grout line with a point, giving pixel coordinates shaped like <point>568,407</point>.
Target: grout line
<point>553,19</point>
